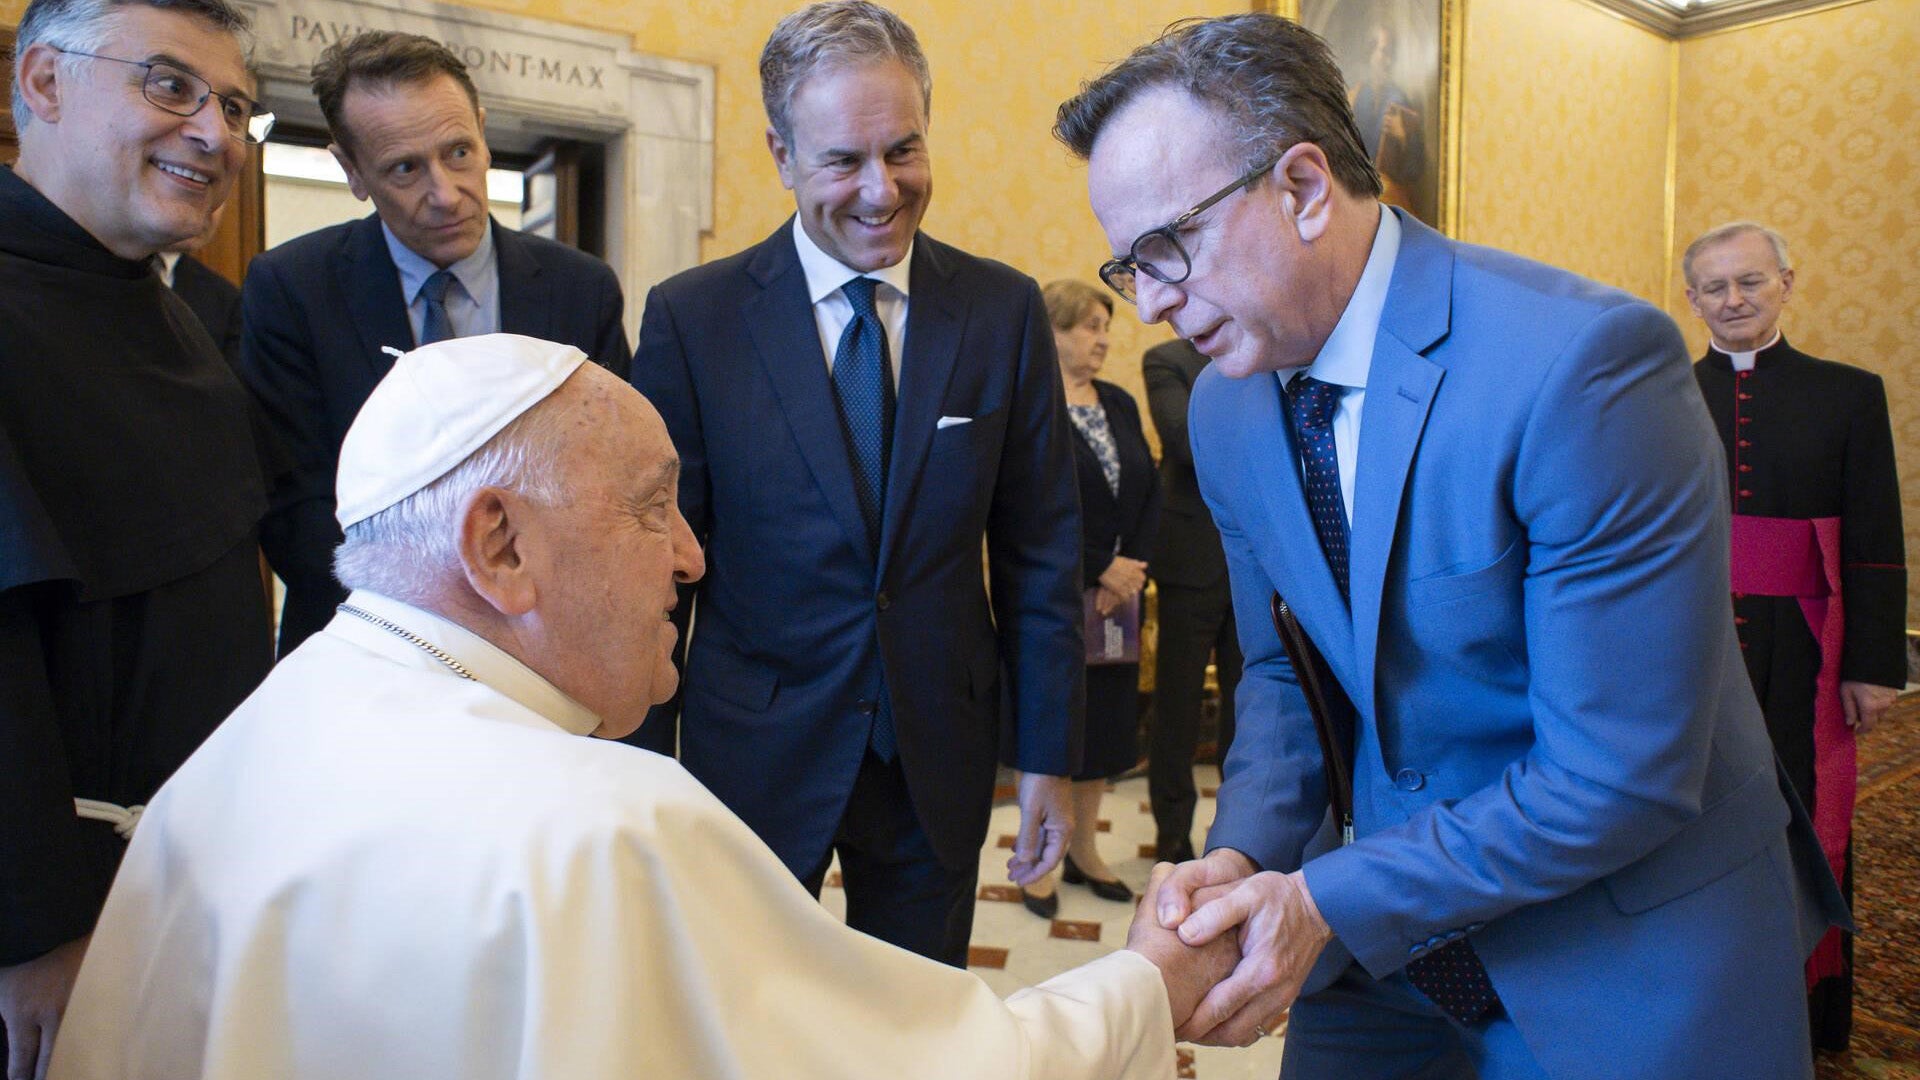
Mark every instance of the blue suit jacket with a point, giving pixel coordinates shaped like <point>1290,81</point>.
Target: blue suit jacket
<point>1557,748</point>
<point>316,311</point>
<point>799,622</point>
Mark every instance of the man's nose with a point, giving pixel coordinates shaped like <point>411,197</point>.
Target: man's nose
<point>878,185</point>
<point>1154,299</point>
<point>689,562</point>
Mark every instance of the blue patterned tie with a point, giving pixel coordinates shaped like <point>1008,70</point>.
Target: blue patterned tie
<point>863,389</point>
<point>1310,406</point>
<point>436,326</point>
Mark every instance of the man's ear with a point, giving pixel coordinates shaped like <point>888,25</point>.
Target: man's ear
<point>1786,283</point>
<point>341,155</point>
<point>1306,184</point>
<point>38,71</point>
<point>1693,302</point>
<point>492,535</point>
<point>782,156</point>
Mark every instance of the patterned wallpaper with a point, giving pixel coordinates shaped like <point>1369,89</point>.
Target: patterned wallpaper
<point>1811,125</point>
<point>1564,139</point>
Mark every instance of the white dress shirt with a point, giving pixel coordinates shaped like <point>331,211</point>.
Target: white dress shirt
<point>831,309</point>
<point>1347,356</point>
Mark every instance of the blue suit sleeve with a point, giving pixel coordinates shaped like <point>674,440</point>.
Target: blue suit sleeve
<point>1620,489</point>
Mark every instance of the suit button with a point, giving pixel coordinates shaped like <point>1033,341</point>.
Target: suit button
<point>883,601</point>
<point>867,706</point>
<point>1409,780</point>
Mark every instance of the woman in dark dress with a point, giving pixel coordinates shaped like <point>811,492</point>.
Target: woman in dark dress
<point>1120,509</point>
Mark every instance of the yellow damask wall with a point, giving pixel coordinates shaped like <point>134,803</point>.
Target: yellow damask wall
<point>1812,125</point>
<point>1564,139</point>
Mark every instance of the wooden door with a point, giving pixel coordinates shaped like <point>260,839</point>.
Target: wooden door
<point>9,144</point>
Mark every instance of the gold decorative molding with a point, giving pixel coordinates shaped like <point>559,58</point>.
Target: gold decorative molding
<point>1662,19</point>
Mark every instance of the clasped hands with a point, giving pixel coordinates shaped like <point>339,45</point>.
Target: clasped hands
<point>1250,938</point>
<point>1122,578</point>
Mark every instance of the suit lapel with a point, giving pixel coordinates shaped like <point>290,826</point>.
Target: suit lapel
<point>780,320</point>
<point>936,314</point>
<point>371,283</point>
<point>526,301</point>
<point>1401,386</point>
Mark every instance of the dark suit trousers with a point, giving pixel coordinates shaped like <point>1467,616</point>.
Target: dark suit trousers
<point>897,889</point>
<point>1194,625</point>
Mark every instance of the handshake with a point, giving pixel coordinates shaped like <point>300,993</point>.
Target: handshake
<point>1233,944</point>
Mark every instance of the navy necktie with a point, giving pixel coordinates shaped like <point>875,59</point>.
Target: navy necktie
<point>1310,407</point>
<point>1450,974</point>
<point>863,390</point>
<point>436,326</point>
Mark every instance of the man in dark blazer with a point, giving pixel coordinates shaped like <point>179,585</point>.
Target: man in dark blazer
<point>851,679</point>
<point>429,264</point>
<point>1195,607</point>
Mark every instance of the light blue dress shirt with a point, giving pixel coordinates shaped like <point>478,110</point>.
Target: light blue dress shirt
<point>473,303</point>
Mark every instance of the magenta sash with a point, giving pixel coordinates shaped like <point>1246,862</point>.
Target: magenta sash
<point>1800,557</point>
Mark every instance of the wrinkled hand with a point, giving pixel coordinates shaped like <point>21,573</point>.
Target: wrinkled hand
<point>1046,824</point>
<point>1281,935</point>
<point>33,997</point>
<point>1124,576</point>
<point>1188,971</point>
<point>1865,704</point>
<point>1105,600</point>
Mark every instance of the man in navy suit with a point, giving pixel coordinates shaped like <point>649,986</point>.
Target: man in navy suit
<point>428,264</point>
<point>856,406</point>
<point>1487,492</point>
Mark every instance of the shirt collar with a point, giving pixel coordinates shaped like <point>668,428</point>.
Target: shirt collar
<point>471,272</point>
<point>1347,356</point>
<point>489,663</point>
<point>1744,361</point>
<point>825,274</point>
<point>169,262</point>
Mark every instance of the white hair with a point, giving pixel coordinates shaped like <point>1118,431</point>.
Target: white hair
<point>411,550</point>
<point>1727,232</point>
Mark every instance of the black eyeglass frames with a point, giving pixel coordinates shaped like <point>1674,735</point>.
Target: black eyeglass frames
<point>172,88</point>
<point>1158,251</point>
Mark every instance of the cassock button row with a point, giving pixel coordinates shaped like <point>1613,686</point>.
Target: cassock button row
<point>1743,444</point>
<point>1746,419</point>
<point>1744,493</point>
<point>1746,468</point>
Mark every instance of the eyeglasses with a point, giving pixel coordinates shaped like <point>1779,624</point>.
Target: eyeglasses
<point>1158,251</point>
<point>174,89</point>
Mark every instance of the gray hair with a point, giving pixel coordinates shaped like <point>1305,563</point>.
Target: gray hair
<point>1727,232</point>
<point>835,33</point>
<point>1274,82</point>
<point>77,25</point>
<point>411,550</point>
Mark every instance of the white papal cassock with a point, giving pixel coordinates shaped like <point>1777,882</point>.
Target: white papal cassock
<point>377,869</point>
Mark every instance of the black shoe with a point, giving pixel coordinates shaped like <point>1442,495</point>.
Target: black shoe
<point>1044,906</point>
<point>1105,890</point>
<point>1174,851</point>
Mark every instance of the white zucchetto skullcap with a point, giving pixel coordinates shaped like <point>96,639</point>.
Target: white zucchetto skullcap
<point>439,404</point>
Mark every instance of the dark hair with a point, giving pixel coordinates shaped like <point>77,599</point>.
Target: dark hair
<point>384,57</point>
<point>1271,80</point>
<point>75,24</point>
<point>834,33</point>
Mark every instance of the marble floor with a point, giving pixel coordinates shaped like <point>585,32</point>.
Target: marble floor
<point>1013,948</point>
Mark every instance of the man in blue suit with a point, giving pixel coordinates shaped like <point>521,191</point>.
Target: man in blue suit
<point>1485,490</point>
<point>429,263</point>
<point>856,406</point>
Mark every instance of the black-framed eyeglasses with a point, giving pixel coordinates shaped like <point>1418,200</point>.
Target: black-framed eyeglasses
<point>1158,251</point>
<point>172,88</point>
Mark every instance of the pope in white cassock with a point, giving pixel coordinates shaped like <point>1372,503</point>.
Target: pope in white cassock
<point>402,858</point>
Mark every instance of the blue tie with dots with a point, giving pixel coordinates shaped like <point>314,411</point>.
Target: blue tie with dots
<point>436,326</point>
<point>1451,975</point>
<point>1310,406</point>
<point>863,389</point>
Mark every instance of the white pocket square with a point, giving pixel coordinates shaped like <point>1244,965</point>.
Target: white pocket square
<point>946,422</point>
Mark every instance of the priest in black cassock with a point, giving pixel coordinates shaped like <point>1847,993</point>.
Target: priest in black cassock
<point>1819,564</point>
<point>131,484</point>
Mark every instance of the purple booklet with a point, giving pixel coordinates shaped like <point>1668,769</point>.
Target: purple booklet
<point>1113,638</point>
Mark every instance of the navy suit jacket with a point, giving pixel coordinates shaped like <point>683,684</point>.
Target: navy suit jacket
<point>800,624</point>
<point>1558,752</point>
<point>316,311</point>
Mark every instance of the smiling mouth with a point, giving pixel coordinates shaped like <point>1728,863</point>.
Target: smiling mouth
<point>190,175</point>
<point>878,222</point>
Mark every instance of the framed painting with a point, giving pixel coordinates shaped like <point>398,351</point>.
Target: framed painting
<point>1395,56</point>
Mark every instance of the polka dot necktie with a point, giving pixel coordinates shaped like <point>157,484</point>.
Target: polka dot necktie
<point>1452,976</point>
<point>1310,406</point>
<point>436,326</point>
<point>863,390</point>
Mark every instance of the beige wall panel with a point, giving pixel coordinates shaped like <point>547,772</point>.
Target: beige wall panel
<point>1564,147</point>
<point>1812,125</point>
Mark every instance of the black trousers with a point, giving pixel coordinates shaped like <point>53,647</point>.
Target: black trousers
<point>897,889</point>
<point>1195,624</point>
